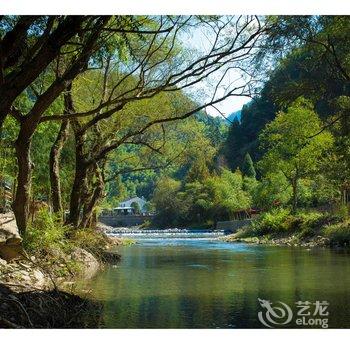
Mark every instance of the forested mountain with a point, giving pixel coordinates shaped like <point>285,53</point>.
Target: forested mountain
<point>243,133</point>
<point>200,136</point>
<point>308,68</point>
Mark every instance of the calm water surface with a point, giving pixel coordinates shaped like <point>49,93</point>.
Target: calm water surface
<point>202,283</point>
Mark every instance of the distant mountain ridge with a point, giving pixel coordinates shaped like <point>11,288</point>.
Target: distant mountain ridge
<point>234,115</point>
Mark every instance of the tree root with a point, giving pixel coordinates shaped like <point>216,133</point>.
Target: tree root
<point>47,309</point>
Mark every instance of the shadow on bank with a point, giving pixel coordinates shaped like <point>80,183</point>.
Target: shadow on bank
<point>47,309</point>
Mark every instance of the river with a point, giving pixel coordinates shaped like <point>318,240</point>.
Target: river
<point>207,283</point>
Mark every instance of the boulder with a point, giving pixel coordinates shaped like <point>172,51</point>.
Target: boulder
<point>10,240</point>
<point>89,263</point>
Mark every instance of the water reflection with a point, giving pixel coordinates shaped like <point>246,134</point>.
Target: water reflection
<point>207,284</point>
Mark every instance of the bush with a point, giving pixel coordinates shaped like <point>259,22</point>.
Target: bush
<point>45,235</point>
<point>304,224</point>
<point>341,212</point>
<point>279,221</point>
<point>272,221</point>
<point>338,234</point>
<point>47,240</point>
<point>90,240</point>
<point>310,222</point>
<point>52,243</point>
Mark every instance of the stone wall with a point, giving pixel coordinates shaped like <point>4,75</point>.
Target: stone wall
<point>124,220</point>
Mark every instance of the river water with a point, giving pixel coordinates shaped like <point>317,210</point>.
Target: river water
<point>206,283</point>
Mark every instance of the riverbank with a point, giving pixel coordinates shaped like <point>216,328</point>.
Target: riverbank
<point>290,240</point>
<point>38,286</point>
<point>305,228</point>
<point>33,297</point>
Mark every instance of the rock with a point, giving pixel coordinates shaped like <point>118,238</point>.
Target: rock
<point>10,240</point>
<point>11,252</point>
<point>39,277</point>
<point>90,264</point>
<point>8,229</point>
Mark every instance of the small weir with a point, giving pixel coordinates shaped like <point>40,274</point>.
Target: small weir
<point>168,233</point>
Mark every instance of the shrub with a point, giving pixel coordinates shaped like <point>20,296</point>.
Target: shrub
<point>52,243</point>
<point>310,222</point>
<point>279,221</point>
<point>312,219</point>
<point>47,240</point>
<point>338,234</point>
<point>272,221</point>
<point>45,235</point>
<point>90,240</point>
<point>341,212</point>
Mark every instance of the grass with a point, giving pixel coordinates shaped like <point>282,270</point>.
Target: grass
<point>45,235</point>
<point>52,243</point>
<point>338,234</point>
<point>324,228</point>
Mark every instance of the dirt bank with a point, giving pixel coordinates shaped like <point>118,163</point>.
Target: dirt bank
<point>39,291</point>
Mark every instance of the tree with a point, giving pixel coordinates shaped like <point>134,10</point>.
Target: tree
<point>28,45</point>
<point>248,167</point>
<point>243,135</point>
<point>31,49</point>
<point>166,202</point>
<point>136,207</point>
<point>29,121</point>
<point>271,191</point>
<point>295,146</point>
<point>55,154</point>
<point>122,90</point>
<point>227,194</point>
<point>139,57</point>
<point>196,203</point>
<point>308,56</point>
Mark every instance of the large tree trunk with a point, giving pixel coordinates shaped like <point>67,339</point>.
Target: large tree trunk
<point>56,197</point>
<point>77,192</point>
<point>22,198</point>
<point>89,206</point>
<point>79,185</point>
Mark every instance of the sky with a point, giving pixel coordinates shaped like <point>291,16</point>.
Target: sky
<point>198,39</point>
<point>228,106</point>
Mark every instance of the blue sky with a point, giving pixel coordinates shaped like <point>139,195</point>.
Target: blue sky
<point>198,40</point>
